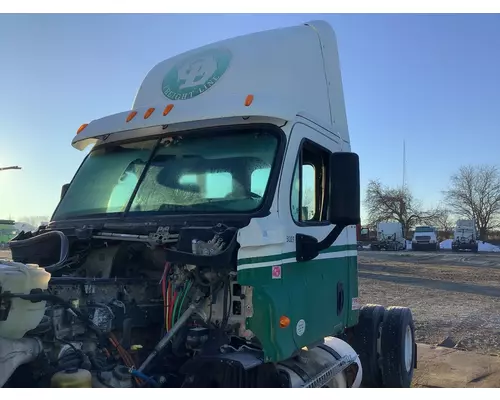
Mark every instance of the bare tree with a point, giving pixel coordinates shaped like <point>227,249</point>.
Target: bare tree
<point>395,204</point>
<point>474,193</point>
<point>443,221</point>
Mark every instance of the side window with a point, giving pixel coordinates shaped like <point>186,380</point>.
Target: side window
<point>309,186</point>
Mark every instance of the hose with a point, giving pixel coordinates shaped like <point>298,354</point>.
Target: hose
<point>184,295</point>
<point>145,378</point>
<point>168,337</point>
<point>63,255</point>
<point>176,305</point>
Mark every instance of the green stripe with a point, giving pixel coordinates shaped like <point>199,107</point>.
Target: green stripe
<point>283,256</point>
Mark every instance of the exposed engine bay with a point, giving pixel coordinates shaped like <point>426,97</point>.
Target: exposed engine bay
<point>121,310</point>
<point>113,302</point>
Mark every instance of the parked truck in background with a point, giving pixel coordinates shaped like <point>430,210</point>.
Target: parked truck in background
<point>365,236</point>
<point>7,232</point>
<point>425,238</point>
<point>389,237</point>
<point>465,236</point>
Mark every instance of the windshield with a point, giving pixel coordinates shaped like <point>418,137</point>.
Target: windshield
<point>217,173</point>
<point>420,229</point>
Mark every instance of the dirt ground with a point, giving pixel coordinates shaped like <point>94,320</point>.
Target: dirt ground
<point>455,299</point>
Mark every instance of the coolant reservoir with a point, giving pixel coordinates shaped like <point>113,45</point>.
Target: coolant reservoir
<point>23,315</point>
<point>71,378</point>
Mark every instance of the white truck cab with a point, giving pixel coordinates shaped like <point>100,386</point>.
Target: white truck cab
<point>389,237</point>
<point>465,236</point>
<point>425,238</point>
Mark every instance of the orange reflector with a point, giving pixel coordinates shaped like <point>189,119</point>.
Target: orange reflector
<point>148,113</point>
<point>131,116</point>
<point>249,100</point>
<point>81,128</point>
<point>284,321</point>
<point>168,109</point>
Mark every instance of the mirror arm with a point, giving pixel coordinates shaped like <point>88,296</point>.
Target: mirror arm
<point>308,247</point>
<point>331,237</point>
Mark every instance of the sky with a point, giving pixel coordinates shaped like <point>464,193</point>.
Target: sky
<point>429,80</point>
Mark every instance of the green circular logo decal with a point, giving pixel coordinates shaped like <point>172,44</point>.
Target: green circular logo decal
<point>196,74</point>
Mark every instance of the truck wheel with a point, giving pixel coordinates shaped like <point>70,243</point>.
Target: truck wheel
<point>475,249</point>
<point>398,347</point>
<point>365,341</point>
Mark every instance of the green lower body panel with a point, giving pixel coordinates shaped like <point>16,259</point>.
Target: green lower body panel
<point>316,296</point>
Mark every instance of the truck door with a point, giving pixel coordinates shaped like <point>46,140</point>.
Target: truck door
<point>319,290</point>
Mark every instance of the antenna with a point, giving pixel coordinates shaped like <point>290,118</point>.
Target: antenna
<point>8,168</point>
<point>404,164</point>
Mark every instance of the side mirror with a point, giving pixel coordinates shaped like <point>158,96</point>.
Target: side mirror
<point>345,199</point>
<point>345,205</point>
<point>64,189</point>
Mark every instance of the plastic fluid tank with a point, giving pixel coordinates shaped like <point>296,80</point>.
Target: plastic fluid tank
<point>72,378</point>
<point>23,315</point>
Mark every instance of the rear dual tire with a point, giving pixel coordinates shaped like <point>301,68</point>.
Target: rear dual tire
<point>385,342</point>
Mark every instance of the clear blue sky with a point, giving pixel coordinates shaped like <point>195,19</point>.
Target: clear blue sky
<point>431,80</point>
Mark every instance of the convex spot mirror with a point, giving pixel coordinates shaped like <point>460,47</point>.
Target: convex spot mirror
<point>64,189</point>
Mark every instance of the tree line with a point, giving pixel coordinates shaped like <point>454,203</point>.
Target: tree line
<point>473,193</point>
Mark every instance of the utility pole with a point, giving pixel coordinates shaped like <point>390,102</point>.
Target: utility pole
<point>404,164</point>
<point>9,168</point>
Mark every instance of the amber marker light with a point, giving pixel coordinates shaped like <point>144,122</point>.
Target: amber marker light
<point>284,321</point>
<point>249,100</point>
<point>148,113</point>
<point>81,128</point>
<point>131,116</point>
<point>167,109</point>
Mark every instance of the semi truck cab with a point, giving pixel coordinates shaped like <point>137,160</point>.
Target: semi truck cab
<point>217,217</point>
<point>425,238</point>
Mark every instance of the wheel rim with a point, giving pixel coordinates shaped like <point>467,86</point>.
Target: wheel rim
<point>408,349</point>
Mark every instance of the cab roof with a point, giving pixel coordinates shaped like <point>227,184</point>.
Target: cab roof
<point>274,74</point>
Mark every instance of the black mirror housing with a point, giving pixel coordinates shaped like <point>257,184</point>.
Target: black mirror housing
<point>345,204</point>
<point>345,199</point>
<point>64,189</point>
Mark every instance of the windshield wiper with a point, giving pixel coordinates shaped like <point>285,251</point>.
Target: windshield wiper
<point>207,207</point>
<point>141,178</point>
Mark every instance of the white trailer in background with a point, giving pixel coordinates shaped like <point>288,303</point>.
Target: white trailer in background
<point>465,236</point>
<point>389,237</point>
<point>425,238</point>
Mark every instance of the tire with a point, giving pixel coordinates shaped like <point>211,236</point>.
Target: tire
<point>398,348</point>
<point>475,249</point>
<point>365,342</point>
